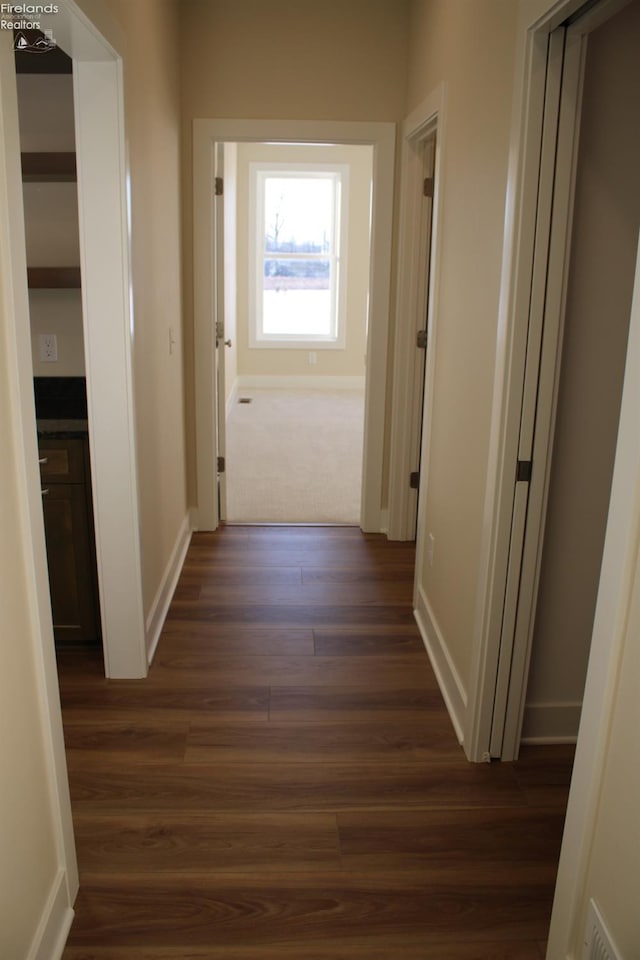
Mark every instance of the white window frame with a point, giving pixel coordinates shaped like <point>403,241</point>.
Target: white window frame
<point>259,172</point>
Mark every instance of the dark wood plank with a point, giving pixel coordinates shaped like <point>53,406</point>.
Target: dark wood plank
<point>231,671</point>
<point>544,773</point>
<point>302,787</point>
<point>238,640</point>
<point>382,841</point>
<point>315,592</point>
<point>305,704</point>
<point>368,643</point>
<point>404,947</point>
<point>288,614</point>
<point>199,843</point>
<point>124,701</point>
<point>354,575</point>
<point>143,741</point>
<point>445,904</point>
<point>322,742</point>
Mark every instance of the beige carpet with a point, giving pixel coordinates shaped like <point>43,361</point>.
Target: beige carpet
<point>295,456</point>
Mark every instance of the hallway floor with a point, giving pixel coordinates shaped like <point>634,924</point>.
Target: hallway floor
<point>286,784</point>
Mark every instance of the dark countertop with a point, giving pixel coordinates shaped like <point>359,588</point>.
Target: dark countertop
<point>62,429</point>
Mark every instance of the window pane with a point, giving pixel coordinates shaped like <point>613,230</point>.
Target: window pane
<point>298,214</point>
<point>297,297</point>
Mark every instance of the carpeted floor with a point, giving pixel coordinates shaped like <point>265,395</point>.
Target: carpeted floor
<point>295,456</point>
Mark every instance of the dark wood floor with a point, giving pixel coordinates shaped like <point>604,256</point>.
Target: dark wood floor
<point>286,784</point>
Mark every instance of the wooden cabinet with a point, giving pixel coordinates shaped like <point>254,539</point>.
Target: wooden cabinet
<point>68,521</point>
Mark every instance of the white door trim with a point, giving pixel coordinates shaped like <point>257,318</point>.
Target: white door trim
<point>108,323</point>
<point>416,308</point>
<point>208,132</point>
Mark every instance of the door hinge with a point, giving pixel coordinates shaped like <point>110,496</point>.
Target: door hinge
<point>427,187</point>
<point>221,464</point>
<point>523,471</point>
<point>414,480</point>
<point>218,186</point>
<point>421,339</point>
<point>219,329</point>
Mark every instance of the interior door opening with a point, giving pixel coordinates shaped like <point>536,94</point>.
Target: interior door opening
<point>47,143</point>
<point>292,267</point>
<point>380,139</point>
<point>555,577</point>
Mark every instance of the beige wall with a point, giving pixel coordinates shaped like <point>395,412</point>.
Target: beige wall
<point>606,223</point>
<point>152,127</point>
<point>285,60</point>
<point>46,113</point>
<point>27,836</point>
<point>28,842</point>
<point>345,362</point>
<point>469,45</point>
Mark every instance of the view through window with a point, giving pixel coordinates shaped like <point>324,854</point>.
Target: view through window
<point>299,232</point>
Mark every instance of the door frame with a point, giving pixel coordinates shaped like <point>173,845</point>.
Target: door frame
<point>95,44</point>
<point>537,21</point>
<point>416,308</point>
<point>381,136</point>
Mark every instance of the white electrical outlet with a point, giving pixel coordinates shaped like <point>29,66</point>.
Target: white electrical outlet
<point>431,545</point>
<point>48,347</point>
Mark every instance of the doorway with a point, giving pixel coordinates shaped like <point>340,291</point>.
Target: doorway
<point>291,343</point>
<point>104,266</point>
<point>416,316</point>
<point>606,220</point>
<point>578,330</point>
<point>209,238</point>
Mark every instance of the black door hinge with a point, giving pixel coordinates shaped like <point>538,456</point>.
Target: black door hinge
<point>523,471</point>
<point>218,186</point>
<point>221,464</point>
<point>414,480</point>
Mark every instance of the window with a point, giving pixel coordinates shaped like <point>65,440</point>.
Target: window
<point>299,234</point>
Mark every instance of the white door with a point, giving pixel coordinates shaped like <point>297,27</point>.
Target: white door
<point>536,411</point>
<point>550,291</point>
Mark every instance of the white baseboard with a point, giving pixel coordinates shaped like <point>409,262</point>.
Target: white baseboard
<point>55,923</point>
<point>160,605</point>
<point>451,686</point>
<point>551,722</point>
<point>246,381</point>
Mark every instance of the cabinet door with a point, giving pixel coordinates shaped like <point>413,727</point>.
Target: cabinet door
<point>69,558</point>
<point>61,461</point>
